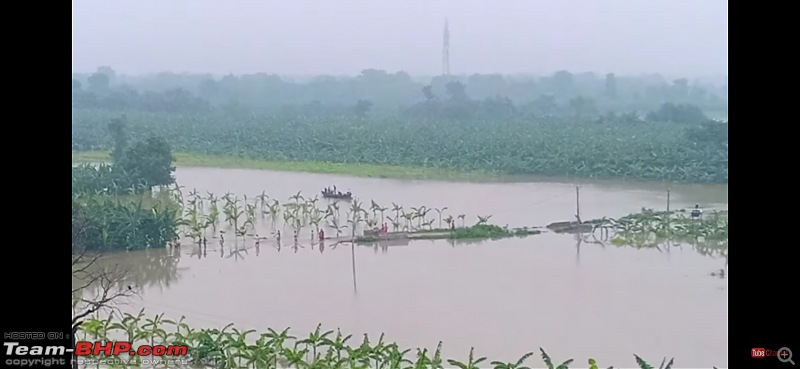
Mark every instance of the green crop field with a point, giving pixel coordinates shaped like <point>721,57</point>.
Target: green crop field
<point>643,150</point>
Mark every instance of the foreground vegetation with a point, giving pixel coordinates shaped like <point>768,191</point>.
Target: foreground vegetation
<point>638,149</point>
<point>229,347</point>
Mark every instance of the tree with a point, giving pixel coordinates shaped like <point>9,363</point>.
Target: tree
<point>76,85</point>
<point>362,108</point>
<point>108,71</point>
<point>98,82</point>
<point>611,85</point>
<point>563,83</point>
<point>457,91</point>
<point>427,91</point>
<point>680,113</point>
<point>680,88</point>
<point>150,161</point>
<point>582,107</point>
<point>117,129</point>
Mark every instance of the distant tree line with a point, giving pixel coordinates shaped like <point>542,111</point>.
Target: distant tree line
<point>564,94</point>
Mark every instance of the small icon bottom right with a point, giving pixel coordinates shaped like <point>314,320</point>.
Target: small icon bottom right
<point>785,355</point>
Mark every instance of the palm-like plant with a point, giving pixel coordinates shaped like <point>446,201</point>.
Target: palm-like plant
<point>472,362</point>
<point>277,339</point>
<point>262,199</point>
<point>230,348</point>
<point>338,345</point>
<point>549,362</point>
<point>483,219</point>
<point>297,197</point>
<point>439,212</point>
<point>274,207</point>
<point>395,223</point>
<point>513,365</point>
<point>316,339</point>
<point>153,328</point>
<point>336,226</point>
<point>644,365</point>
<point>449,221</point>
<point>397,209</point>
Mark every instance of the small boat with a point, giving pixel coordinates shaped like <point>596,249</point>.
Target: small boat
<point>571,227</point>
<point>337,195</point>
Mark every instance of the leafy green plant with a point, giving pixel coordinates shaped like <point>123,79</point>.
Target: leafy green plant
<point>229,347</point>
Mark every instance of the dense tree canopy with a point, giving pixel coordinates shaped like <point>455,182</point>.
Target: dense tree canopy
<point>388,92</point>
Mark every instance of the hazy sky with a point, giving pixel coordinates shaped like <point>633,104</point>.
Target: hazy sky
<point>676,37</point>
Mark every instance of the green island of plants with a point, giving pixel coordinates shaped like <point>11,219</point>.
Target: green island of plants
<point>650,227</point>
<point>638,150</point>
<point>229,347</point>
<point>479,231</point>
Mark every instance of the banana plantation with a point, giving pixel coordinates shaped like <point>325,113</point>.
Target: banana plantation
<point>209,215</point>
<point>641,150</point>
<point>229,347</point>
<point>650,227</point>
<point>104,179</point>
<point>105,223</point>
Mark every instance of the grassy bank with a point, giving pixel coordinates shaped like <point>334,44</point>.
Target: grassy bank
<point>184,159</point>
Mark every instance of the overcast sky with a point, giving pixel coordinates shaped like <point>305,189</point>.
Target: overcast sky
<point>302,37</point>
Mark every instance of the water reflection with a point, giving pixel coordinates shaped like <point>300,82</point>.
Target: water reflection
<point>353,258</point>
<point>145,268</point>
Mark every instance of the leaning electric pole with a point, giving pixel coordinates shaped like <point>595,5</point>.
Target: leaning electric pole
<point>446,51</point>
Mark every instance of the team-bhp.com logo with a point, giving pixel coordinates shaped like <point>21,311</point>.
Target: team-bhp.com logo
<point>100,352</point>
<point>117,348</point>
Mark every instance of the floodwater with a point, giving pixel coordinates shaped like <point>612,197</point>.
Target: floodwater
<point>573,298</point>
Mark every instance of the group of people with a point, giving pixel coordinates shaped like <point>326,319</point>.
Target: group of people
<point>383,229</point>
<point>335,192</point>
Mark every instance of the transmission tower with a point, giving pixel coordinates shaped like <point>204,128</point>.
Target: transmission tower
<point>446,51</point>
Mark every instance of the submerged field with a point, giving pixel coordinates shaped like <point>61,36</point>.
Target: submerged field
<point>668,152</point>
<point>504,297</point>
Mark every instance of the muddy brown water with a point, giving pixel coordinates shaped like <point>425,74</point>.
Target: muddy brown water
<point>505,297</point>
